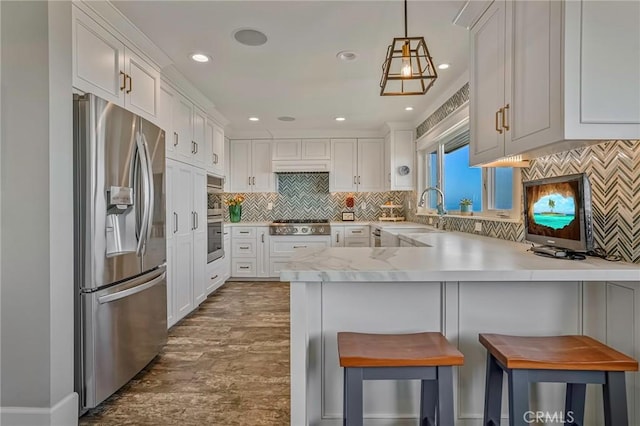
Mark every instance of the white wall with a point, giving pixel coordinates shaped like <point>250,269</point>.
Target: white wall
<point>36,269</point>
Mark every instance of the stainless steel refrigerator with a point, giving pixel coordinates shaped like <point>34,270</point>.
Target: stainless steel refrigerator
<point>120,251</point>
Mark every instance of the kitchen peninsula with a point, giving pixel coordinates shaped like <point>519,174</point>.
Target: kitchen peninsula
<point>461,285</point>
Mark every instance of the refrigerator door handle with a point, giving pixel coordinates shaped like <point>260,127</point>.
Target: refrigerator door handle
<point>151,195</point>
<point>145,185</point>
<point>131,291</point>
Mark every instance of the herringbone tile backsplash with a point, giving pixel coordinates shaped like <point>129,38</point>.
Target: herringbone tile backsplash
<point>306,196</point>
<point>613,168</point>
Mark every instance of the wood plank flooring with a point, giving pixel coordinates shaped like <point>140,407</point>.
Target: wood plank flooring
<point>226,364</point>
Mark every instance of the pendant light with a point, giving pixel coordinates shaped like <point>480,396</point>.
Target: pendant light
<point>408,68</point>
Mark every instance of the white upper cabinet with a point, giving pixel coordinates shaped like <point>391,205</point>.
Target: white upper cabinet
<point>544,72</point>
<point>286,149</point>
<point>315,149</point>
<point>104,66</point>
<point>165,118</point>
<point>357,165</point>
<point>198,141</point>
<point>344,165</point>
<point>214,141</point>
<point>399,151</point>
<point>370,165</point>
<point>250,166</point>
<point>486,80</point>
<point>183,128</point>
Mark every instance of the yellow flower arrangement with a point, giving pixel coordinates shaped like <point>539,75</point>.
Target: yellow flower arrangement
<point>235,201</point>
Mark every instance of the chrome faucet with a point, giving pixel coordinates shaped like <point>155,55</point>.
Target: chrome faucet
<point>440,206</point>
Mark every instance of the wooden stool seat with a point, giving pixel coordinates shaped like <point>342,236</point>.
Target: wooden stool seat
<point>427,357</point>
<point>556,353</point>
<point>574,360</point>
<point>396,350</point>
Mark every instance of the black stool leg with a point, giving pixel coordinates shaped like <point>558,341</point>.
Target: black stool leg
<point>615,399</point>
<point>574,403</point>
<point>445,396</point>
<point>492,392</point>
<point>518,397</point>
<point>428,402</point>
<point>353,399</point>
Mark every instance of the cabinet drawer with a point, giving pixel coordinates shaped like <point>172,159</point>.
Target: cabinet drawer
<point>243,268</point>
<point>243,248</point>
<point>215,275</point>
<point>356,242</point>
<point>356,231</point>
<point>287,246</point>
<point>243,232</point>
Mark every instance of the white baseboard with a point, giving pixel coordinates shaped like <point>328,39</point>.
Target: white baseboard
<point>64,413</point>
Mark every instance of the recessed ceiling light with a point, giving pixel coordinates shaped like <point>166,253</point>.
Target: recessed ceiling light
<point>408,109</point>
<point>200,57</point>
<point>340,118</point>
<point>347,56</point>
<point>250,37</point>
<point>443,66</point>
<point>286,118</point>
<point>254,119</point>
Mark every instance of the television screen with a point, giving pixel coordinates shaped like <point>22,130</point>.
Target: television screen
<point>558,212</point>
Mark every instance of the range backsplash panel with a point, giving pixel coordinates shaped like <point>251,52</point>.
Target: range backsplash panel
<point>307,196</point>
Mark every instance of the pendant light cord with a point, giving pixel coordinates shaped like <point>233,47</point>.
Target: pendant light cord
<point>405,19</point>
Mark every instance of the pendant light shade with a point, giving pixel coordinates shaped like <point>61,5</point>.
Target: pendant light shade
<point>408,68</point>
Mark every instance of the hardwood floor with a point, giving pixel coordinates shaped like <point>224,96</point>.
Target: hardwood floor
<point>225,364</point>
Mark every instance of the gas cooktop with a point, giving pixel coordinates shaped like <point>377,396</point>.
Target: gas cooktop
<point>300,227</point>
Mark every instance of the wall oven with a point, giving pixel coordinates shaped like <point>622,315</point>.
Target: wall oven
<point>215,231</point>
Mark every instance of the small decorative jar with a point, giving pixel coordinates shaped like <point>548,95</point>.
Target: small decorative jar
<point>466,207</point>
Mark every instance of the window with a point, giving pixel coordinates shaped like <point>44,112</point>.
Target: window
<point>444,163</point>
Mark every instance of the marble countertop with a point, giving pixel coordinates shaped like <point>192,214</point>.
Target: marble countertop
<point>230,224</point>
<point>449,256</point>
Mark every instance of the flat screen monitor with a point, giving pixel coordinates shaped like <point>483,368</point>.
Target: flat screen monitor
<point>557,212</point>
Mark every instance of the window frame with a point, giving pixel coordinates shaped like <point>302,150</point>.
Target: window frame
<point>434,141</point>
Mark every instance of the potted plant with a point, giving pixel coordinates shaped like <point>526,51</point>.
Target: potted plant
<point>466,207</point>
<point>235,207</point>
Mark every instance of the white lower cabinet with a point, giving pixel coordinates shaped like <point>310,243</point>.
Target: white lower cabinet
<point>356,236</point>
<point>215,275</point>
<point>250,251</point>
<point>337,236</point>
<point>282,248</point>
<point>186,226</point>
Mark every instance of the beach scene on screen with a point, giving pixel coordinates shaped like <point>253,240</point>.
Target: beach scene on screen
<point>554,211</point>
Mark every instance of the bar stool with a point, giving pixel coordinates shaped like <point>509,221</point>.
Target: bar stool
<point>574,360</point>
<point>424,356</point>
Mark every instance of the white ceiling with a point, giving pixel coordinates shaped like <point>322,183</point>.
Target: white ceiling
<point>296,73</point>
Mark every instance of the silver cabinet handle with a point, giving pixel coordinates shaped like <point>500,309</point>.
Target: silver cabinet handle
<point>295,247</point>
<point>505,125</point>
<point>244,247</point>
<point>196,143</point>
<point>214,277</point>
<point>244,267</point>
<point>262,237</point>
<point>175,222</point>
<point>244,232</point>
<point>193,221</point>
<point>192,147</point>
<point>355,182</point>
<point>253,181</point>
<point>175,139</point>
<point>356,232</point>
<point>249,180</point>
<point>337,237</point>
<point>130,84</point>
<point>197,220</point>
<point>358,180</point>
